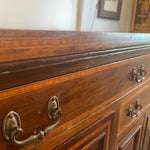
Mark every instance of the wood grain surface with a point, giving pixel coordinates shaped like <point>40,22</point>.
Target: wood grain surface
<point>141,19</point>
<point>28,56</point>
<point>89,73</point>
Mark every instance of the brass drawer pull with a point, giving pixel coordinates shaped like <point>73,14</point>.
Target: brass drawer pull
<point>132,112</point>
<point>139,76</point>
<point>138,104</point>
<point>12,124</point>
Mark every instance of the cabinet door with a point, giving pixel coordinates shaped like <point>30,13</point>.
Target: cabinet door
<point>94,137</point>
<point>132,141</point>
<point>146,145</point>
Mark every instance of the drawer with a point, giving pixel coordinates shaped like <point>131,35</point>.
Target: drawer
<point>133,107</point>
<point>79,95</point>
<point>13,74</point>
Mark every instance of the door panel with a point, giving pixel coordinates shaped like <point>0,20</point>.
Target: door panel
<point>132,141</point>
<point>146,145</point>
<point>94,137</point>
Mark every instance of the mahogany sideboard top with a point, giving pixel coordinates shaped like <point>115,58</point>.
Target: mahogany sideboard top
<point>101,81</point>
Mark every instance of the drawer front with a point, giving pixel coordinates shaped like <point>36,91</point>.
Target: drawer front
<point>27,59</point>
<point>133,107</point>
<point>79,95</point>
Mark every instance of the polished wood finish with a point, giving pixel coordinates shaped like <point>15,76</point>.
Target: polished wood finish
<point>95,136</point>
<point>146,145</point>
<point>29,56</point>
<point>132,142</point>
<point>142,95</point>
<point>90,73</point>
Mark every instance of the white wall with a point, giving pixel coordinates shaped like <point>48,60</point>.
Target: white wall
<point>38,14</point>
<point>59,15</point>
<point>106,25</point>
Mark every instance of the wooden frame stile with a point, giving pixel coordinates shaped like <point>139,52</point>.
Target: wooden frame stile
<point>133,16</point>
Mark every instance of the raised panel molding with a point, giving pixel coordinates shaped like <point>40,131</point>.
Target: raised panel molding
<point>95,137</point>
<point>132,141</point>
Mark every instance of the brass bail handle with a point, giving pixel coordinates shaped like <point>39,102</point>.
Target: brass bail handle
<point>139,76</point>
<point>132,113</point>
<point>12,124</point>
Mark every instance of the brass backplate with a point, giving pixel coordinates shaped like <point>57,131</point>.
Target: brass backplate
<point>53,107</point>
<point>12,119</point>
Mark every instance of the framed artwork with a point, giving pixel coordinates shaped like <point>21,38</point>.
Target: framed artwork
<point>110,9</point>
<point>141,16</point>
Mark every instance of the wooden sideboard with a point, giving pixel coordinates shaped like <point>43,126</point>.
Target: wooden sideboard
<point>74,90</point>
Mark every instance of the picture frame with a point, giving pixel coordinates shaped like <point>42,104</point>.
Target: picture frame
<point>140,19</point>
<point>109,9</point>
